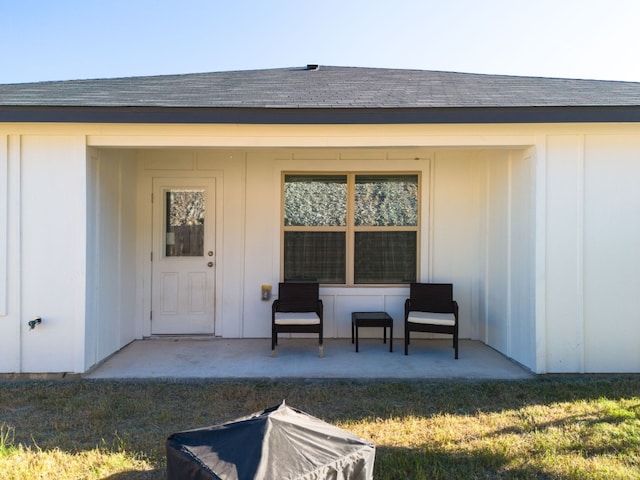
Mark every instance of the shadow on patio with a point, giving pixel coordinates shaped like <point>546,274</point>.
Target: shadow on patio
<point>175,357</point>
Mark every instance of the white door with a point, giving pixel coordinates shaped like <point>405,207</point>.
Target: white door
<point>184,257</point>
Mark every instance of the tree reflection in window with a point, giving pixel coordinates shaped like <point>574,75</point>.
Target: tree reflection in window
<point>185,214</point>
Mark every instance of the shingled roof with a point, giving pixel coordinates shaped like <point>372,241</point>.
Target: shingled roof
<point>322,95</point>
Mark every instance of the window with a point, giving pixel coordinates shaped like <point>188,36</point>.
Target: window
<point>350,228</point>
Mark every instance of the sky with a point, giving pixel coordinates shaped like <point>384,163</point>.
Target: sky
<point>45,40</point>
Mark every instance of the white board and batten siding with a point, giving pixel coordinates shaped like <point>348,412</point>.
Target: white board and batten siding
<point>536,226</point>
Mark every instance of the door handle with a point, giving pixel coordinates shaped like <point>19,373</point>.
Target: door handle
<point>210,264</point>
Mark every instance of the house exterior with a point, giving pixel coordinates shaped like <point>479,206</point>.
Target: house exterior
<point>522,192</point>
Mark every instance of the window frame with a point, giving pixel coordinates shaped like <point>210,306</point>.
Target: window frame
<point>350,228</point>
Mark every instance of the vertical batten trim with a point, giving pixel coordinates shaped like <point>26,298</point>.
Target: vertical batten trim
<point>541,202</point>
<point>580,314</point>
<point>429,211</point>
<point>4,221</point>
<point>509,253</point>
<point>15,227</point>
<point>487,248</point>
<point>80,266</point>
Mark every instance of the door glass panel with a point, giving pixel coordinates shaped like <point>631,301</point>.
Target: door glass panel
<point>184,235</point>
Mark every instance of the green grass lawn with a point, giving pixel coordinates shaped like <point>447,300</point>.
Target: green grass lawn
<point>545,428</point>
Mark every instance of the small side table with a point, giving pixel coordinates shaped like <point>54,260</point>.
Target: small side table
<point>372,319</point>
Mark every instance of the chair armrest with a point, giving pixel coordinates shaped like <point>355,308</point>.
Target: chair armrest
<point>455,310</point>
<point>407,308</point>
<point>275,305</point>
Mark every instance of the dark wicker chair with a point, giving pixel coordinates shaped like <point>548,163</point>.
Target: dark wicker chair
<point>431,308</point>
<point>298,309</point>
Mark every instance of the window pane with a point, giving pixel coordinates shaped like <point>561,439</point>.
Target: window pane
<point>315,200</point>
<point>314,256</point>
<point>184,235</point>
<point>385,257</point>
<point>386,200</point>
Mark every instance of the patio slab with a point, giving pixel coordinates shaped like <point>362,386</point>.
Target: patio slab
<point>298,359</point>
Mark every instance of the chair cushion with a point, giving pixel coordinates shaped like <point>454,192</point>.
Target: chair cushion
<point>447,319</point>
<point>297,318</point>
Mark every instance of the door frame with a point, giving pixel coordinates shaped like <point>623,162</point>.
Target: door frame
<point>145,243</point>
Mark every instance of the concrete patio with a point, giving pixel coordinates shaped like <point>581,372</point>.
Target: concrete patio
<point>217,358</point>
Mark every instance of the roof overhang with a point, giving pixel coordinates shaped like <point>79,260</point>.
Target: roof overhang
<point>319,116</point>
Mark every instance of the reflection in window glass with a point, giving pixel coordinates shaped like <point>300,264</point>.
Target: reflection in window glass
<point>185,214</point>
<point>314,256</point>
<point>386,200</point>
<point>385,257</point>
<point>315,200</point>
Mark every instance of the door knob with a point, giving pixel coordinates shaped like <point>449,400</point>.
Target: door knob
<point>210,264</point>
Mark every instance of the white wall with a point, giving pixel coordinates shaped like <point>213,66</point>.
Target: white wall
<point>261,243</point>
<point>229,169</point>
<point>482,242</point>
<point>4,222</point>
<point>455,236</point>
<point>53,231</point>
<point>10,313</point>
<point>111,252</point>
<point>611,253</point>
<point>564,333</point>
<point>496,287</point>
<point>521,309</point>
<point>592,319</point>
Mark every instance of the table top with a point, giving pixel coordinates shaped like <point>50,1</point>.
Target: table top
<point>371,316</point>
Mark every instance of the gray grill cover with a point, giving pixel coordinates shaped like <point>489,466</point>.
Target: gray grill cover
<point>279,443</point>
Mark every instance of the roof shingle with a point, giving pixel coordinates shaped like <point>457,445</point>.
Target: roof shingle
<point>326,87</point>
